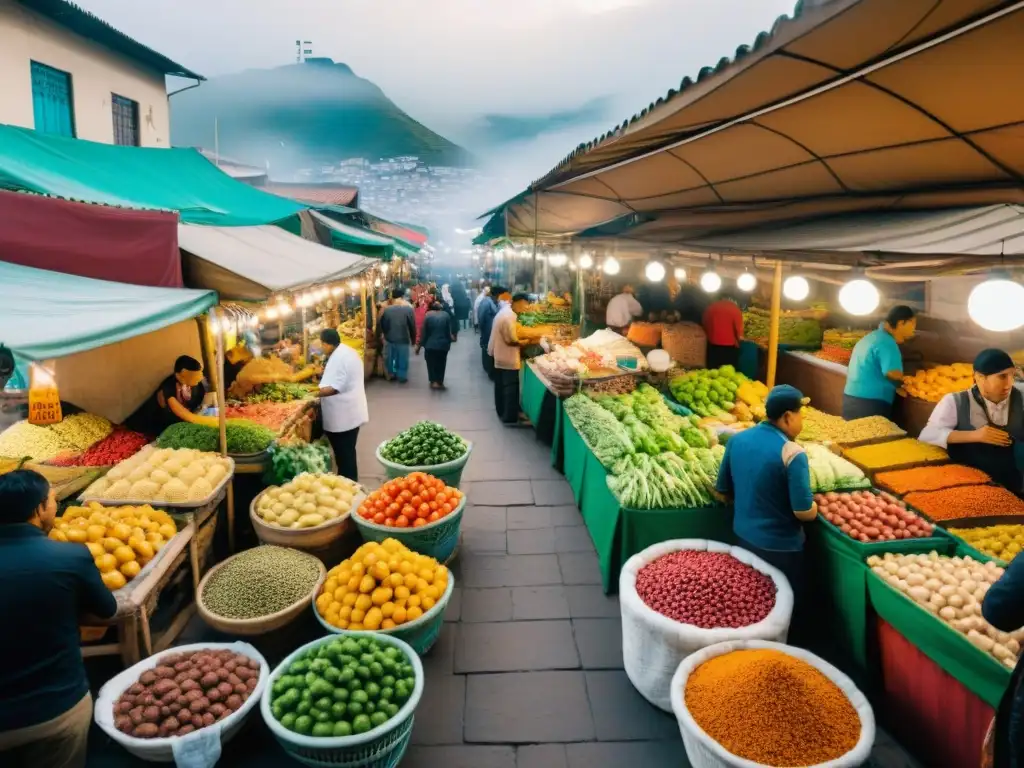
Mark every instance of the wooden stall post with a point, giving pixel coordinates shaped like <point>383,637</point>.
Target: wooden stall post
<point>773,328</point>
<point>305,338</point>
<point>222,420</point>
<point>536,203</point>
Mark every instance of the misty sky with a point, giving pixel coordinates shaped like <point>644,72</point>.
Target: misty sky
<point>447,61</point>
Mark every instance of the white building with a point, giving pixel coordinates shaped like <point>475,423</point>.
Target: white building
<point>67,72</point>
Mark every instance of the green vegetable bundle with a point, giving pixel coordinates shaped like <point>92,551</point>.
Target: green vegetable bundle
<point>424,444</point>
<point>830,472</point>
<point>242,436</point>
<point>280,392</point>
<point>666,481</point>
<point>606,435</point>
<point>708,392</point>
<point>547,316</point>
<point>287,461</point>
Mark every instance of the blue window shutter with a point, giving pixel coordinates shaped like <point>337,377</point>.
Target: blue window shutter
<point>51,100</point>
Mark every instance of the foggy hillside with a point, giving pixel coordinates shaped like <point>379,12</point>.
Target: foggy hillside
<point>303,115</point>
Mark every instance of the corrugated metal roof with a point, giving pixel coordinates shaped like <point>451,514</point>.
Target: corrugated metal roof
<point>87,25</point>
<point>328,194</point>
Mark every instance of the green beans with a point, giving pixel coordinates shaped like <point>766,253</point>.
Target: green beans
<point>260,582</point>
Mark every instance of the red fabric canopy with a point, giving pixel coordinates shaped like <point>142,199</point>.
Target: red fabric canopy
<point>125,246</point>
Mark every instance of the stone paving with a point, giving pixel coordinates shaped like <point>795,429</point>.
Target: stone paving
<point>528,670</point>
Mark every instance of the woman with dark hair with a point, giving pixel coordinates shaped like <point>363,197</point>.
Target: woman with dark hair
<point>178,398</point>
<point>46,708</point>
<point>439,332</point>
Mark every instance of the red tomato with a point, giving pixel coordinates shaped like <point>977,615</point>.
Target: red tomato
<point>434,517</point>
<point>416,500</point>
<point>379,518</point>
<point>418,522</point>
<point>402,522</point>
<point>442,498</point>
<point>389,523</point>
<point>446,509</point>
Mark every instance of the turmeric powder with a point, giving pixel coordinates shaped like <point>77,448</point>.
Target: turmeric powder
<point>767,706</point>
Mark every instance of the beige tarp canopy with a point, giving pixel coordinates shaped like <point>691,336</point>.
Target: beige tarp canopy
<point>852,105</point>
<point>251,263</point>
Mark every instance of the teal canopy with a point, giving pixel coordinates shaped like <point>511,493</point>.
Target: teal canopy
<point>179,180</point>
<point>46,315</point>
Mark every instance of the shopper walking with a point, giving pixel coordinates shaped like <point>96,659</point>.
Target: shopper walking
<point>504,347</point>
<point>342,401</point>
<point>461,304</point>
<point>438,334</point>
<point>398,326</point>
<point>48,588</point>
<point>473,294</point>
<point>485,317</point>
<point>484,295</point>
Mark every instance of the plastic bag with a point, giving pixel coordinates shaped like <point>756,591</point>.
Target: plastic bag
<point>653,644</point>
<point>705,752</point>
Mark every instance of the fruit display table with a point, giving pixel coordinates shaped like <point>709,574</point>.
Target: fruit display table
<point>620,532</point>
<point>538,403</point>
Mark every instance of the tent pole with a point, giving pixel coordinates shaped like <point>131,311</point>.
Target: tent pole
<point>536,200</point>
<point>305,339</point>
<point>773,328</point>
<point>222,423</point>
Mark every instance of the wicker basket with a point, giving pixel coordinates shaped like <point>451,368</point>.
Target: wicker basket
<point>437,540</point>
<point>318,537</point>
<point>620,384</point>
<point>263,624</point>
<point>686,343</point>
<point>382,747</point>
<point>449,472</point>
<point>420,634</point>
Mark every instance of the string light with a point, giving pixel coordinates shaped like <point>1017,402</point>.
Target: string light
<point>997,304</point>
<point>859,297</point>
<point>679,273</point>
<point>796,288</point>
<point>655,271</point>
<point>746,282</point>
<point>611,266</point>
<point>710,281</point>
<point>353,285</point>
<point>558,259</point>
<point>586,261</point>
<point>271,313</point>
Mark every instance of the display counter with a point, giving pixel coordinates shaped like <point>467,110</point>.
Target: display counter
<point>538,402</point>
<point>818,379</point>
<point>912,414</point>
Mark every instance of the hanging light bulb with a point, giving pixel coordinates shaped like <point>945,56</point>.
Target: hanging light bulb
<point>655,271</point>
<point>377,283</point>
<point>336,291</point>
<point>997,304</point>
<point>710,281</point>
<point>859,297</point>
<point>384,268</point>
<point>796,288</point>
<point>271,313</point>
<point>746,282</point>
<point>353,285</point>
<point>611,266</point>
<point>679,273</point>
<point>557,259</point>
<point>285,310</point>
<point>586,261</point>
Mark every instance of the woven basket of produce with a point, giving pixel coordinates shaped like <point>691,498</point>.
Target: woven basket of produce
<point>311,511</point>
<point>686,343</point>
<point>437,539</point>
<point>145,732</point>
<point>621,384</point>
<point>731,714</point>
<point>406,602</point>
<point>663,621</point>
<point>343,736</point>
<point>259,590</point>
<point>426,447</point>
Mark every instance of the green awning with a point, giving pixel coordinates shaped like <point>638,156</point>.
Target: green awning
<point>353,239</point>
<point>46,315</point>
<point>179,180</point>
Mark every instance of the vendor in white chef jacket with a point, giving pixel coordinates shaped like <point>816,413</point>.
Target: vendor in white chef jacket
<point>342,401</point>
<point>621,310</point>
<point>984,426</point>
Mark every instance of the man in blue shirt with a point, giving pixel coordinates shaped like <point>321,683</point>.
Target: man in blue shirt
<point>485,318</point>
<point>876,366</point>
<point>767,477</point>
<point>47,589</point>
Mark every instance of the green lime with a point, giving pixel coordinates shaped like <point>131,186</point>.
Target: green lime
<point>304,707</point>
<point>304,724</point>
<point>323,703</point>
<point>288,721</point>
<point>372,690</point>
<point>323,729</point>
<point>338,711</point>
<point>360,697</point>
<point>340,694</point>
<point>378,718</point>
<point>392,710</point>
<point>377,670</point>
<point>363,672</point>
<point>387,680</point>
<point>355,708</point>
<point>348,673</point>
<point>361,724</point>
<point>342,728</point>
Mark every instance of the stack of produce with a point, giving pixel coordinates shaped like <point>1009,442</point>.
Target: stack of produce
<point>342,687</point>
<point>830,472</point>
<point>119,445</point>
<point>186,692</point>
<point>952,588</point>
<point>281,392</point>
<point>869,517</point>
<point>667,481</point>
<point>242,437</point>
<point>904,481</point>
<point>932,384</point>
<point>895,453</point>
<point>120,539</point>
<point>425,444</point>
<point>259,371</point>
<point>382,586</point>
<point>80,431</point>
<point>605,434</point>
<point>821,427</point>
<point>162,475</point>
<point>771,708</point>
<point>573,360</point>
<point>353,332</point>
<point>552,311</point>
<point>260,582</point>
<point>307,501</point>
<point>709,590</point>
<point>272,415</point>
<point>27,440</point>
<point>414,500</point>
<point>290,459</point>
<point>834,354</point>
<point>709,392</point>
<point>966,501</point>
<point>844,339</point>
<point>1002,541</point>
<point>794,328</point>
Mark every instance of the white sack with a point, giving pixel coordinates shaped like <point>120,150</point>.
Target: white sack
<point>653,644</point>
<point>705,752</point>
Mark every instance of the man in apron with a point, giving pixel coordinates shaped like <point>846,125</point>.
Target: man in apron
<point>984,426</point>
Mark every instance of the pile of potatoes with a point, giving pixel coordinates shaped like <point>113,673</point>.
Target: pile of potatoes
<point>186,692</point>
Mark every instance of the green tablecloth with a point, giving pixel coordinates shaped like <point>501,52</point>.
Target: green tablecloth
<point>619,532</point>
<point>953,652</point>
<point>543,408</point>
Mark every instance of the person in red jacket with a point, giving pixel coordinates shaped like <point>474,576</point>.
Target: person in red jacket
<point>723,324</point>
